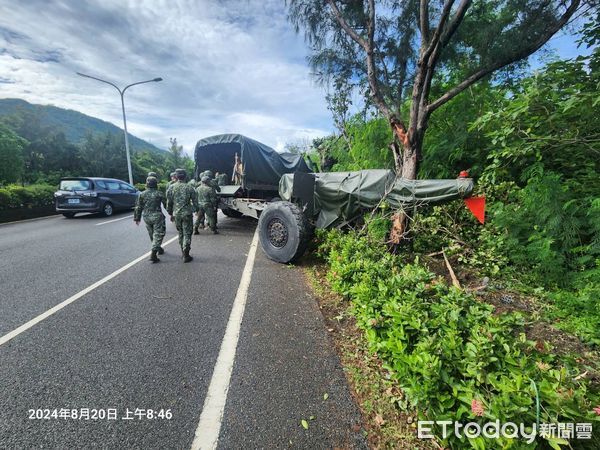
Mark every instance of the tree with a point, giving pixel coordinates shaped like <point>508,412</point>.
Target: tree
<point>401,54</point>
<point>11,157</point>
<point>176,153</point>
<point>102,155</point>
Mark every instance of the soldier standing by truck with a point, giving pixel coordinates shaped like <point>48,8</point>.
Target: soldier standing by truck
<point>149,205</point>
<point>221,178</point>
<point>238,171</point>
<point>182,202</point>
<point>207,202</point>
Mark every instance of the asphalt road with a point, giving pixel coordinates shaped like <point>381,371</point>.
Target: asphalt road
<point>149,339</point>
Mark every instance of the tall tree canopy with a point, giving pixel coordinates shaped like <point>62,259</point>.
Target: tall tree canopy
<point>411,57</point>
<point>11,158</point>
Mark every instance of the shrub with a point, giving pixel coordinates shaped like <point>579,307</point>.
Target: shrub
<point>36,195</point>
<point>7,200</point>
<point>142,186</point>
<point>447,349</point>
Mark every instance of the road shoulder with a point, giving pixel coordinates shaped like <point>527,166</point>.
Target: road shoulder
<point>287,371</point>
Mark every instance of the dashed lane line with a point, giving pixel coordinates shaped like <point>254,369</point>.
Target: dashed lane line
<point>114,220</point>
<point>26,326</point>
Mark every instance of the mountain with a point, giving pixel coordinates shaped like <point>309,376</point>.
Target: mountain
<point>73,124</point>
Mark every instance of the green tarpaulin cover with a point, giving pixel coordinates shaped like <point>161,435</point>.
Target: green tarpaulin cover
<point>344,196</point>
<point>263,166</point>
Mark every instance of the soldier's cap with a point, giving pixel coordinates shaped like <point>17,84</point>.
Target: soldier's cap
<point>205,179</point>
<point>173,174</point>
<point>180,174</point>
<point>151,182</point>
<point>152,174</point>
<point>208,173</point>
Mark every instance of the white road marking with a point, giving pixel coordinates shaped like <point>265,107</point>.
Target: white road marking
<point>114,220</point>
<point>209,426</point>
<point>7,337</point>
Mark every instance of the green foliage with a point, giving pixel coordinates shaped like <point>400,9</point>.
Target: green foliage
<point>578,310</point>
<point>445,348</point>
<point>453,228</point>
<point>364,145</point>
<point>545,139</point>
<point>549,122</point>
<point>34,121</point>
<point>14,196</point>
<point>449,144</point>
<point>161,186</point>
<point>49,153</point>
<point>11,159</point>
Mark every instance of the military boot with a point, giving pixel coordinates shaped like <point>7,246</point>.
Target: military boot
<point>161,250</point>
<point>215,231</point>
<point>153,257</point>
<point>186,256</point>
<point>196,231</point>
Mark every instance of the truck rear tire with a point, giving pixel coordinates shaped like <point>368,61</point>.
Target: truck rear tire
<point>231,212</point>
<point>284,231</point>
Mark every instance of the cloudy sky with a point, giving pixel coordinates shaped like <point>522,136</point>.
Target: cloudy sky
<point>227,65</point>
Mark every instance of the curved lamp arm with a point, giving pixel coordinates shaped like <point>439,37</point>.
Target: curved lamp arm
<point>103,81</point>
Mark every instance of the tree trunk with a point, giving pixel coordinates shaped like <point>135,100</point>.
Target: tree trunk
<point>406,154</point>
<point>407,166</point>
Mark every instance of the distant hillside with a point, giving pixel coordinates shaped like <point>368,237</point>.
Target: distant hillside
<point>73,124</point>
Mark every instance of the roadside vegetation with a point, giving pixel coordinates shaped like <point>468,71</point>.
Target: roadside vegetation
<point>33,158</point>
<point>35,154</point>
<point>524,325</point>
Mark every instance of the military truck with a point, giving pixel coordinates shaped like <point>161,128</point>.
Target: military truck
<point>290,200</point>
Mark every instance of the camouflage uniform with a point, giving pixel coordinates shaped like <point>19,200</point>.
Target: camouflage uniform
<point>207,202</point>
<point>200,217</point>
<point>222,179</point>
<point>182,202</point>
<point>171,181</point>
<point>148,205</point>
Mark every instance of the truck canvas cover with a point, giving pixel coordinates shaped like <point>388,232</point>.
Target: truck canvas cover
<point>263,166</point>
<point>344,196</point>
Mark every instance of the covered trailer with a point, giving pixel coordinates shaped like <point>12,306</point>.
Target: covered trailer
<point>289,201</point>
<point>262,167</point>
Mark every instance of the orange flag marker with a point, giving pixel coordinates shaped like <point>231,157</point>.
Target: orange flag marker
<point>477,207</point>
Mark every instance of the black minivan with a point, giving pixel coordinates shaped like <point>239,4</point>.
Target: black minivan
<point>91,194</point>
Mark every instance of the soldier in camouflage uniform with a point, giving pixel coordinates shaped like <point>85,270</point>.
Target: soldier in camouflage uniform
<point>215,185</point>
<point>148,204</point>
<point>207,202</point>
<point>182,202</point>
<point>199,224</point>
<point>172,181</point>
<point>221,179</point>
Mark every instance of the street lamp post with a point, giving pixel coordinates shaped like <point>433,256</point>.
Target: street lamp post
<point>122,94</point>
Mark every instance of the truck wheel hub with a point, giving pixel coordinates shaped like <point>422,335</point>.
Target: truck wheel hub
<point>278,234</point>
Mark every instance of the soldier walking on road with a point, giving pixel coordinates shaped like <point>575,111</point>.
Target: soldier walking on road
<point>148,205</point>
<point>182,202</point>
<point>207,203</point>
<point>172,181</point>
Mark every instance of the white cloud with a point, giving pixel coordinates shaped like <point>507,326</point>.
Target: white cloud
<point>228,66</point>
